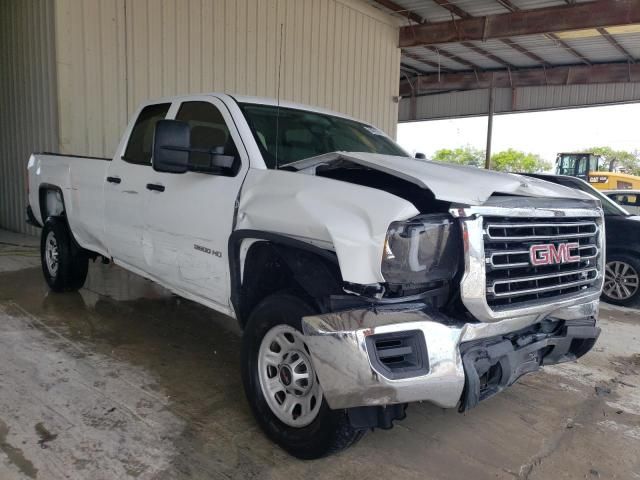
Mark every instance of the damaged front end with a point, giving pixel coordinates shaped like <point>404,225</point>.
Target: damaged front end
<point>389,355</point>
<point>492,364</point>
<point>499,313</point>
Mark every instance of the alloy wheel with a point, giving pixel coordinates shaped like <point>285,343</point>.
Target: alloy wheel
<point>621,280</point>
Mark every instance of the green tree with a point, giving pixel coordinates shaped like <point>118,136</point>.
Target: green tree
<point>627,161</point>
<point>516,161</point>
<point>466,155</point>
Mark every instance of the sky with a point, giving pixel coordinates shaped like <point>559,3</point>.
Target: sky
<point>544,133</point>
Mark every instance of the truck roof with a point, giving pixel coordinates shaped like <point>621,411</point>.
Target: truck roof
<point>255,100</point>
<point>285,104</point>
<point>576,153</point>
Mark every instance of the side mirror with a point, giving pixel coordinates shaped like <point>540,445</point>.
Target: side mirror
<point>421,156</point>
<point>173,153</point>
<point>171,144</point>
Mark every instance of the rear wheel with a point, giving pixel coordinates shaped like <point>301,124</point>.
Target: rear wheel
<point>281,384</point>
<point>64,265</point>
<point>622,280</point>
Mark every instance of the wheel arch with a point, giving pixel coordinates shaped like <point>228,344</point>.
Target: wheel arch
<point>622,250</point>
<point>50,205</point>
<point>58,206</point>
<point>275,262</point>
<point>613,283</point>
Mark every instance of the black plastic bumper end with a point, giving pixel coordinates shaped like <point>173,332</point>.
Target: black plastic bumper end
<point>493,364</point>
<point>31,219</point>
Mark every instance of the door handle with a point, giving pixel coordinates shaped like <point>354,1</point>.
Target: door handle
<point>114,179</point>
<point>155,187</point>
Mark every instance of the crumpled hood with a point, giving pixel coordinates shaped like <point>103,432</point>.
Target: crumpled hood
<point>452,183</point>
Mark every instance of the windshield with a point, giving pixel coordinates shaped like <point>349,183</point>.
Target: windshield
<point>290,135</point>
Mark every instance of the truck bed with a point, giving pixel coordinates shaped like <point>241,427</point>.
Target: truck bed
<point>79,182</point>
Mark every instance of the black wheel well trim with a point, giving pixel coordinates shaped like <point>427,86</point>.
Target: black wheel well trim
<point>43,187</point>
<point>235,241</point>
<point>620,250</point>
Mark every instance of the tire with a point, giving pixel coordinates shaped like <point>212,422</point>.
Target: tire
<point>321,431</point>
<point>622,280</point>
<point>64,264</point>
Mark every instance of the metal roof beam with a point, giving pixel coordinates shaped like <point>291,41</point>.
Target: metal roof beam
<point>510,6</point>
<point>531,77</point>
<point>514,8</point>
<point>568,48</point>
<point>454,9</point>
<point>455,58</point>
<point>524,51</point>
<point>413,70</point>
<point>400,10</point>
<point>426,62</point>
<point>600,13</point>
<point>614,42</point>
<point>489,55</point>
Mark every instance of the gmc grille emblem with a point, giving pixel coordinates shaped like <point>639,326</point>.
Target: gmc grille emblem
<point>551,254</point>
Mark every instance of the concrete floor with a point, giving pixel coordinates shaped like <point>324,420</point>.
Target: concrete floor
<point>124,380</point>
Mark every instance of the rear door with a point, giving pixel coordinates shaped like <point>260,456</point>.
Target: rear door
<point>189,216</point>
<point>125,188</point>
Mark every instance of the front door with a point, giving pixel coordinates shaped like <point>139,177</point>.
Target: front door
<point>189,216</point>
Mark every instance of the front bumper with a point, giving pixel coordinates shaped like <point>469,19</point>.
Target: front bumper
<point>460,364</point>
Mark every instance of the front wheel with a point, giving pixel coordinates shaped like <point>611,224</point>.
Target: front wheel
<point>64,265</point>
<point>281,384</point>
<point>622,280</point>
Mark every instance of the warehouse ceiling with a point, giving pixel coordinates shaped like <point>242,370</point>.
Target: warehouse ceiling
<point>463,45</point>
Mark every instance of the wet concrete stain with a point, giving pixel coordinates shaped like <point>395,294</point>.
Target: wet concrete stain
<point>181,360</point>
<point>45,435</point>
<point>15,455</point>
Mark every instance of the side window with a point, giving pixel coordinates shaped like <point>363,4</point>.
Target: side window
<point>582,165</point>
<point>208,131</point>
<point>624,199</point>
<point>139,147</point>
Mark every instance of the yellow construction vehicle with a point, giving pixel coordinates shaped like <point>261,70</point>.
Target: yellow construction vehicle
<point>590,168</point>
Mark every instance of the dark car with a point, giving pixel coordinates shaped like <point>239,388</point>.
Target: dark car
<point>622,272</point>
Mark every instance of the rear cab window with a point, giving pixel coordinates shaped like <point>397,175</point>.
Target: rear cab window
<point>139,146</point>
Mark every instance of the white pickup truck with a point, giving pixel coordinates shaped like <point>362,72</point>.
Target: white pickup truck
<point>363,279</point>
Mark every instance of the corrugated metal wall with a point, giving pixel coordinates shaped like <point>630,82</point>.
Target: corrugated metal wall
<point>522,99</point>
<point>113,54</point>
<point>91,68</point>
<point>28,115</point>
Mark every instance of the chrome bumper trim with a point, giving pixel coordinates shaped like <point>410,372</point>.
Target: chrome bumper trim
<point>349,379</point>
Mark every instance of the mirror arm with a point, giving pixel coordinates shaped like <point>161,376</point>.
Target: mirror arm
<point>218,163</point>
<point>176,149</point>
<point>205,169</point>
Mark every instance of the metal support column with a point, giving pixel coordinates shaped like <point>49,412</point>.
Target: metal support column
<point>487,160</point>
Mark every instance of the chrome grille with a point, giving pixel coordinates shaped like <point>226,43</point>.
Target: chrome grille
<point>511,278</point>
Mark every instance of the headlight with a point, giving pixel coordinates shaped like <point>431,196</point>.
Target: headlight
<point>422,250</point>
